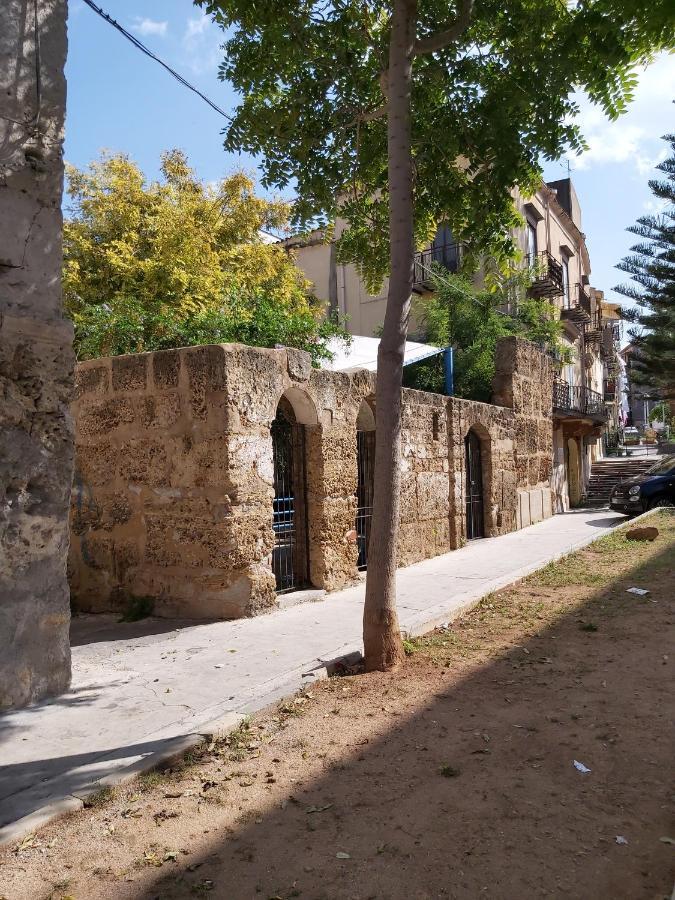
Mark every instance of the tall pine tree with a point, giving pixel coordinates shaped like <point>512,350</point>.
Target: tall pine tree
<point>651,266</point>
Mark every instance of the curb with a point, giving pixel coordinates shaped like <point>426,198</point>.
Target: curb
<point>228,721</point>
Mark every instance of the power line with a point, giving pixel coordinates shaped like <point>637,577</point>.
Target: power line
<point>134,40</point>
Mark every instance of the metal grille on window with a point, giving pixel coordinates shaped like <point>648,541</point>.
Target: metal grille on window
<point>283,555</point>
<point>365,459</point>
<point>475,527</point>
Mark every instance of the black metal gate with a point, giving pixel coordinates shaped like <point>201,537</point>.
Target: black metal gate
<point>475,525</point>
<point>290,553</point>
<point>365,461</point>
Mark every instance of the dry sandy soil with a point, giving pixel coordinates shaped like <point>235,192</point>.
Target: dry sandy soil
<point>453,777</point>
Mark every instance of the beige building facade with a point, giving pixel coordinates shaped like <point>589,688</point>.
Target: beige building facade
<point>552,242</point>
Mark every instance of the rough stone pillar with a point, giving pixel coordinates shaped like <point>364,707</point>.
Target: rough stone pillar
<point>36,444</point>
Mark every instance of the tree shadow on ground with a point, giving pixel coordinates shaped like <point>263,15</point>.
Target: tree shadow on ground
<point>469,789</point>
<point>94,628</point>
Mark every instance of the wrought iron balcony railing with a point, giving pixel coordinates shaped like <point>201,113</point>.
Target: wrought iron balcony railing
<point>577,399</point>
<point>548,275</point>
<point>578,307</point>
<point>448,256</point>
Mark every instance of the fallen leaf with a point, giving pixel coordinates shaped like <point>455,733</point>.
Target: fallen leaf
<point>342,855</point>
<point>171,856</point>
<point>131,813</point>
<point>667,840</point>
<point>315,809</point>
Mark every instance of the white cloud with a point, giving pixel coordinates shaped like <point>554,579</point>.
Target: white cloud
<point>196,27</point>
<point>201,45</point>
<point>633,137</point>
<point>150,26</point>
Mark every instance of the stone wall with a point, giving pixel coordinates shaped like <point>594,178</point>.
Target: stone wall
<point>174,482</point>
<point>524,382</point>
<point>35,358</point>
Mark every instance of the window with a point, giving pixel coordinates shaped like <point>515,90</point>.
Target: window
<point>445,250</point>
<point>531,243</point>
<point>566,279</point>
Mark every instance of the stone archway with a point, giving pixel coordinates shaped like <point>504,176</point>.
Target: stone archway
<point>365,466</point>
<point>574,471</point>
<point>291,553</point>
<point>477,483</point>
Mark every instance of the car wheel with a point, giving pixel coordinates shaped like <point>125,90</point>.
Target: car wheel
<point>659,502</point>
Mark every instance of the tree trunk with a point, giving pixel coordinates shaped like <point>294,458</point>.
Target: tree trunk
<point>381,634</point>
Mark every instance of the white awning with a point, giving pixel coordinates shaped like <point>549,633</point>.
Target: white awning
<point>362,354</point>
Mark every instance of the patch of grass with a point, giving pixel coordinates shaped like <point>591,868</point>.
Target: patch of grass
<point>138,608</point>
<point>235,744</point>
<point>568,571</point>
<point>588,626</point>
<point>610,543</point>
<point>148,780</point>
<point>410,647</point>
<point>99,799</point>
<point>449,771</point>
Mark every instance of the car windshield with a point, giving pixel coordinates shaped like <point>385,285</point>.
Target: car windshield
<point>664,467</point>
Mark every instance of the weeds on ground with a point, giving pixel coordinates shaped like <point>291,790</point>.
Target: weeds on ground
<point>99,799</point>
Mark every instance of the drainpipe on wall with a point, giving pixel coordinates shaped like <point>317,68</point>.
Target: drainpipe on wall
<point>449,371</point>
<point>332,282</point>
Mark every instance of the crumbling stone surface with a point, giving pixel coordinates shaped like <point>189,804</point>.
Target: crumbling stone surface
<point>174,483</point>
<point>36,362</point>
<point>644,533</point>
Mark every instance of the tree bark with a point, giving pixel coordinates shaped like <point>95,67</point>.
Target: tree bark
<point>381,634</point>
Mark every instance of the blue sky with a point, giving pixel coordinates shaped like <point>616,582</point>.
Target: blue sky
<point>120,100</point>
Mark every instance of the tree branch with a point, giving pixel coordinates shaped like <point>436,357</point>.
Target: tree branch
<point>450,34</point>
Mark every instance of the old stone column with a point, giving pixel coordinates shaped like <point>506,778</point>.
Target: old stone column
<point>36,362</point>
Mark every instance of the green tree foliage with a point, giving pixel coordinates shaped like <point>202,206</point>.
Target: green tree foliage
<point>652,269</point>
<point>176,262</point>
<point>400,114</point>
<point>487,105</point>
<point>471,319</point>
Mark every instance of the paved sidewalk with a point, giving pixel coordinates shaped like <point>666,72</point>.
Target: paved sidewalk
<point>145,690</point>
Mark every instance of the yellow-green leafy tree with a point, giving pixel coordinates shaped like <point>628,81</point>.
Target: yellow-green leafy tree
<point>174,262</point>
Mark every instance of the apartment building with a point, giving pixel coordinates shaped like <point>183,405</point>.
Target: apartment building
<point>554,245</point>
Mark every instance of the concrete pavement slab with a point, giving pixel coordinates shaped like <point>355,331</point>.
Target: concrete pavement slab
<point>140,689</point>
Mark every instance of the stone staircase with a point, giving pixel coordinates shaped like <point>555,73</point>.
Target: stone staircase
<point>606,473</point>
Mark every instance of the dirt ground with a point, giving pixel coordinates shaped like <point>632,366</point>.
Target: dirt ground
<point>452,778</point>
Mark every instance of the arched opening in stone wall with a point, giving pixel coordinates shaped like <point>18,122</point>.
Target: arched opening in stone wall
<point>290,556</point>
<point>574,471</point>
<point>365,466</point>
<point>477,476</point>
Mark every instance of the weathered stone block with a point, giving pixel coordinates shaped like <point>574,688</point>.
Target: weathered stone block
<point>92,379</point>
<point>130,373</point>
<point>165,369</point>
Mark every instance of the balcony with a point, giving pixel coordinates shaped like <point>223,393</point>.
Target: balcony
<point>447,256</point>
<point>578,307</point>
<point>611,338</point>
<point>594,330</point>
<point>610,390</point>
<point>576,401</point>
<point>548,275</point>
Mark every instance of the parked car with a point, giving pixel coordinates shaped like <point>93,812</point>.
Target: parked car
<point>655,488</point>
<point>631,437</point>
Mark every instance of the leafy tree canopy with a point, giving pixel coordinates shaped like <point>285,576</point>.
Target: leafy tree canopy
<point>651,266</point>
<point>471,319</point>
<point>487,104</point>
<point>151,265</point>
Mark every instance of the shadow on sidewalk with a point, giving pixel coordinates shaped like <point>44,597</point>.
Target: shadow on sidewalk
<point>518,820</point>
<point>94,628</point>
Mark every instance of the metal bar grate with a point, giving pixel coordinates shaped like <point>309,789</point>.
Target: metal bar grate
<point>283,521</point>
<point>475,527</point>
<point>365,461</point>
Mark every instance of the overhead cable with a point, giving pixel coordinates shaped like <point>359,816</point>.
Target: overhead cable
<point>141,46</point>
